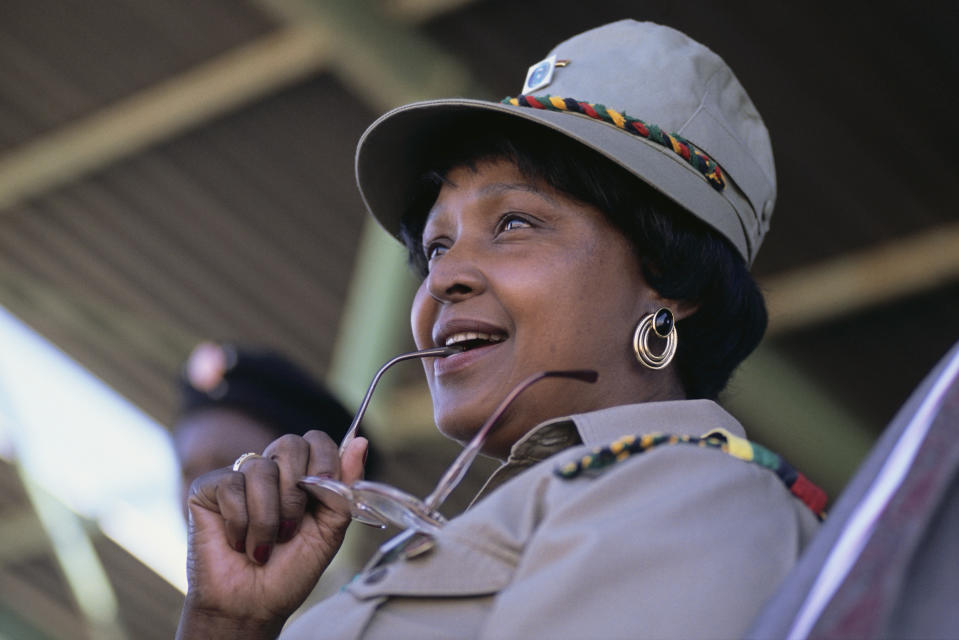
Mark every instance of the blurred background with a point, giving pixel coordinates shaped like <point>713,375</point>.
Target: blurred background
<point>178,171</point>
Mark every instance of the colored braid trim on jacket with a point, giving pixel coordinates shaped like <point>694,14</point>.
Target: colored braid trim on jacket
<point>602,457</point>
<point>689,152</point>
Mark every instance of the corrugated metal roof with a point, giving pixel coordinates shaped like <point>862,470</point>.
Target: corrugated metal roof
<point>63,60</point>
<point>241,230</point>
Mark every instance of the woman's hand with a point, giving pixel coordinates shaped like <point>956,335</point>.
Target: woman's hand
<point>257,545</point>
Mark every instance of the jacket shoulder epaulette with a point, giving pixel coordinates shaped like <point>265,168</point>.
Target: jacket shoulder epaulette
<point>600,459</point>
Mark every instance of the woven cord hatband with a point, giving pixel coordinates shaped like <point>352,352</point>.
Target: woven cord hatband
<point>672,141</point>
<point>621,449</point>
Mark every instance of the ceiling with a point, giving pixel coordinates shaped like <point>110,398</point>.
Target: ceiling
<point>171,172</point>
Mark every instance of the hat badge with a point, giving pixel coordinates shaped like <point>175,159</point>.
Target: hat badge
<point>206,367</point>
<point>539,75</point>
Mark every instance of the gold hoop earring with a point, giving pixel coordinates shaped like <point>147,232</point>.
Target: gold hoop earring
<point>663,325</point>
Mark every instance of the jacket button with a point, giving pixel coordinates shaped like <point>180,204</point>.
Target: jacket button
<point>376,575</point>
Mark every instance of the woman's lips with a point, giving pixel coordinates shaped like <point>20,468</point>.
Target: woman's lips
<point>460,361</point>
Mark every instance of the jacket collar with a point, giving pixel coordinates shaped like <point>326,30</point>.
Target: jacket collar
<point>680,417</point>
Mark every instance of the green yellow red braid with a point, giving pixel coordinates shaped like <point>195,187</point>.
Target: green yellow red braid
<point>601,458</point>
<point>672,141</point>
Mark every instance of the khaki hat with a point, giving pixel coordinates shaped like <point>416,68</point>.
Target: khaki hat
<point>647,97</point>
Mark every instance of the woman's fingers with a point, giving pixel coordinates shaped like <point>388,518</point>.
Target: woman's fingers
<point>240,510</point>
<point>261,504</point>
<point>222,492</point>
<point>313,454</point>
<point>291,454</point>
<point>247,502</point>
<point>261,479</point>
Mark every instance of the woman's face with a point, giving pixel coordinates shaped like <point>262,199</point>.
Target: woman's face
<point>537,281</point>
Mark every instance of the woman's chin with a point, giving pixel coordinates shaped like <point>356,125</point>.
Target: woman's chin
<point>463,428</point>
<point>460,429</point>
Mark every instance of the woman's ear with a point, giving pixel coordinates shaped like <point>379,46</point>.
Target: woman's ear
<point>648,300</point>
<point>681,309</point>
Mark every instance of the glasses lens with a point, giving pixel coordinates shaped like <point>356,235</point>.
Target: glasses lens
<point>337,495</point>
<point>396,506</point>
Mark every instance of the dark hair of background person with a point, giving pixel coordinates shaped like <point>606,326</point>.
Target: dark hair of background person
<point>265,385</point>
<point>682,258</point>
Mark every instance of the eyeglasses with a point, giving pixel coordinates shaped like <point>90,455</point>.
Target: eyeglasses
<point>379,504</point>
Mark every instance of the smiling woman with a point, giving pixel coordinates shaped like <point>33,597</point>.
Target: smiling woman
<point>560,236</point>
<point>516,258</point>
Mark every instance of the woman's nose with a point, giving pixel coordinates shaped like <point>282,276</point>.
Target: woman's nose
<point>455,275</point>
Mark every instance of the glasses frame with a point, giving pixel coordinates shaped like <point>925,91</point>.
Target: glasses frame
<point>378,504</point>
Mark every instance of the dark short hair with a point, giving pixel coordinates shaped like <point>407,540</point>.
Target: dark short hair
<point>267,386</point>
<point>682,258</point>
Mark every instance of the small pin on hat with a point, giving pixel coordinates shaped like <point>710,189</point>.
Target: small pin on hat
<point>539,75</point>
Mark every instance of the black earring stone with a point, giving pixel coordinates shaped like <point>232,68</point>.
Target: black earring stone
<point>663,322</point>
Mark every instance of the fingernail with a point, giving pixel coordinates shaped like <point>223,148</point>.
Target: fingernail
<point>287,529</point>
<point>240,545</point>
<point>366,454</point>
<point>262,552</point>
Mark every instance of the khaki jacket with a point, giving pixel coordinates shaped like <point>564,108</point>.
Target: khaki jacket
<point>675,542</point>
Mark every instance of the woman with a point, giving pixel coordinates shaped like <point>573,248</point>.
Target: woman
<point>553,233</point>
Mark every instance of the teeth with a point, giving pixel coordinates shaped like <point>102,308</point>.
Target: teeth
<point>466,336</point>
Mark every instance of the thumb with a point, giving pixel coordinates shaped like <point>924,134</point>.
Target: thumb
<point>351,463</point>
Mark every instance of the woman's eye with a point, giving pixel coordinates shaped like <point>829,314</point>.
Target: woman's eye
<point>511,222</point>
<point>434,250</point>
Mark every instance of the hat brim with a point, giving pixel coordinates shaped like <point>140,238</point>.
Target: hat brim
<point>394,153</point>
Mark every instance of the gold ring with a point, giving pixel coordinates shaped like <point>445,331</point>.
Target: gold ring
<point>246,456</point>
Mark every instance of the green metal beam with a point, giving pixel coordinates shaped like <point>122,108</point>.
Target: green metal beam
<point>387,63</point>
<point>383,59</point>
<point>371,327</point>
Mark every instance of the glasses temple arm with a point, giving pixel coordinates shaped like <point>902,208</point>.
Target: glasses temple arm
<point>438,352</point>
<point>454,475</point>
